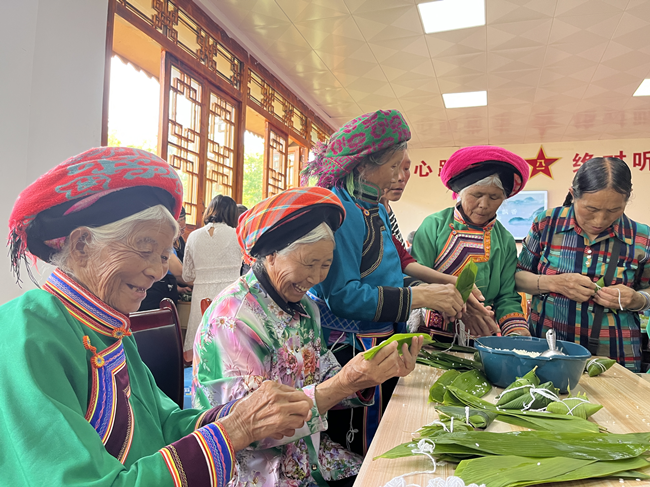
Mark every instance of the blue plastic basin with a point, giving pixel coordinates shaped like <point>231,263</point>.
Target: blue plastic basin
<point>503,366</point>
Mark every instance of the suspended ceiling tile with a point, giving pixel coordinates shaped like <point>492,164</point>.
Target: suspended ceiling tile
<point>515,59</point>
<point>362,6</point>
<point>392,73</point>
<point>405,60</point>
<point>460,65</point>
<point>501,111</point>
<point>514,80</point>
<point>511,96</point>
<point>461,84</point>
<point>457,42</point>
<point>300,10</point>
<point>337,110</point>
<point>639,9</point>
<point>512,11</point>
<point>428,115</point>
<point>603,8</point>
<point>422,104</point>
<point>381,53</point>
<point>469,113</point>
<point>414,80</point>
<point>529,33</point>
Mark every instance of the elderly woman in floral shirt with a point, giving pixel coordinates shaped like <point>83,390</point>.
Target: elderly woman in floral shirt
<point>263,327</point>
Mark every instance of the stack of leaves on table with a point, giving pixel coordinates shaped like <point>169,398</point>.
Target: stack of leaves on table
<point>563,445</point>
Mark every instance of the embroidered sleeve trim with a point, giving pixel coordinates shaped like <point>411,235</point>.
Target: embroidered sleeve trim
<point>393,304</point>
<point>215,413</point>
<point>203,458</point>
<point>512,323</point>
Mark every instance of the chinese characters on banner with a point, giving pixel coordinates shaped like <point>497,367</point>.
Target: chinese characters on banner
<point>542,163</point>
<point>640,160</point>
<point>423,169</point>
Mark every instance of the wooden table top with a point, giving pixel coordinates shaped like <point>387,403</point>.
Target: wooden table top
<point>624,395</point>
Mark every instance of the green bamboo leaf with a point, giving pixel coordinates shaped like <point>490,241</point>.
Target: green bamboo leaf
<point>601,284</point>
<point>437,390</point>
<point>506,471</point>
<point>532,398</point>
<point>547,444</point>
<point>521,472</point>
<point>444,360</point>
<point>400,338</point>
<point>466,280</point>
<point>521,387</point>
<point>478,418</point>
<point>474,382</point>
<point>574,406</point>
<point>599,365</point>
<point>528,419</point>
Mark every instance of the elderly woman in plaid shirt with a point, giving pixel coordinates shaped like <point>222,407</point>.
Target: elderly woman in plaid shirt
<point>568,250</point>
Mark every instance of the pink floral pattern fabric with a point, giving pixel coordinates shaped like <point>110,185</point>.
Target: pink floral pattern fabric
<point>357,139</point>
<point>244,339</point>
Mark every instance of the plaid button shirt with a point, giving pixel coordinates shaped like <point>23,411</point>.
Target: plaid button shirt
<point>557,245</point>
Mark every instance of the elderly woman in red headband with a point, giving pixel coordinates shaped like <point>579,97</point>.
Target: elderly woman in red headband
<point>79,407</point>
<point>264,327</point>
<point>483,177</point>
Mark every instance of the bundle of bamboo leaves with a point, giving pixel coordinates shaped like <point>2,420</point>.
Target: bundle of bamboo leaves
<point>562,445</point>
<point>495,459</point>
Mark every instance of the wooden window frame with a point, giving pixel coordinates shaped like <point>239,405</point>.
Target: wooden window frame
<point>169,60</point>
<point>161,28</point>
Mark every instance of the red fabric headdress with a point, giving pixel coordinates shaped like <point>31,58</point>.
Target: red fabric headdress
<point>94,188</point>
<point>280,220</point>
<point>469,165</point>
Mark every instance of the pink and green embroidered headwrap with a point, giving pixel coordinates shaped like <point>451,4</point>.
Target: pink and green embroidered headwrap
<point>356,140</point>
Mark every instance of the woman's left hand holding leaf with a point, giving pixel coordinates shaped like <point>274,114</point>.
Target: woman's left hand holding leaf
<point>360,373</point>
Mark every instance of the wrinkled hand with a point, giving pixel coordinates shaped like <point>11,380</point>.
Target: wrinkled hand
<point>477,294</point>
<point>479,319</point>
<point>359,373</point>
<point>608,297</point>
<point>274,410</point>
<point>446,299</point>
<point>577,287</point>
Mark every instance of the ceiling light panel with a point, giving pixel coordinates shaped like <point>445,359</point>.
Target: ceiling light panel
<point>445,15</point>
<point>467,99</point>
<point>643,89</point>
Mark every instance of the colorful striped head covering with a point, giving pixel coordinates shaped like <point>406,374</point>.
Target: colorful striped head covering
<point>356,140</point>
<point>278,221</point>
<point>95,188</point>
<point>469,165</point>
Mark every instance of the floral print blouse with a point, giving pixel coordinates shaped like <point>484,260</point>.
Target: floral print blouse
<point>249,335</point>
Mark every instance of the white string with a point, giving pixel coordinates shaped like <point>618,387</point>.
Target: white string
<point>570,413</point>
<point>349,436</point>
<point>533,390</point>
<point>467,415</point>
<point>620,305</point>
<point>426,447</point>
<point>463,335</point>
<point>595,362</point>
<point>336,341</point>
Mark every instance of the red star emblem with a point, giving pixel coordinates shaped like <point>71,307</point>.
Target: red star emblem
<point>542,164</point>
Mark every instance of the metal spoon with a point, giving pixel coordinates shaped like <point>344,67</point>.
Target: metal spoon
<point>552,351</point>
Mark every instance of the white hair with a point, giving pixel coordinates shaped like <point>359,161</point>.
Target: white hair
<point>494,179</point>
<point>117,231</point>
<point>321,232</point>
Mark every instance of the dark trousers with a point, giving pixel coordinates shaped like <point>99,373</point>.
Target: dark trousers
<point>339,420</point>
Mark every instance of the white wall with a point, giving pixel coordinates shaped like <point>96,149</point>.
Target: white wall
<point>52,56</point>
